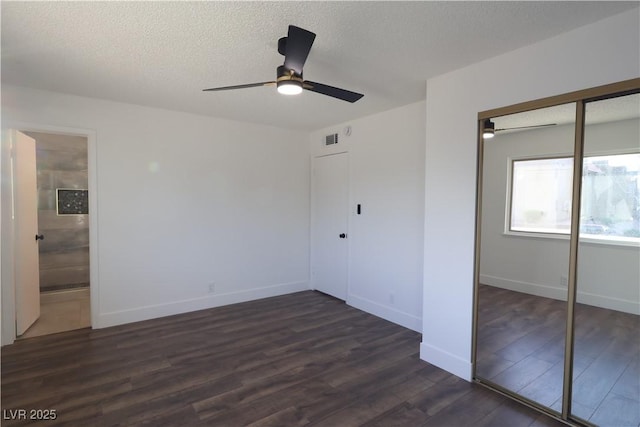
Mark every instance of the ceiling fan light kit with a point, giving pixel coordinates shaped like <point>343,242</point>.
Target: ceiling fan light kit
<point>288,82</point>
<point>290,88</point>
<point>295,48</point>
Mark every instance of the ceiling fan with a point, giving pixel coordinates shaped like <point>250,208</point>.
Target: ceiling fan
<point>295,49</point>
<point>489,128</point>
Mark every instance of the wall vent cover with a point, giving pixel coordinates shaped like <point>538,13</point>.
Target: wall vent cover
<point>331,139</point>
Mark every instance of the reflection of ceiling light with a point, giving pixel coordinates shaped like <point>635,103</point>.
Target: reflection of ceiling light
<point>488,129</point>
<point>289,87</point>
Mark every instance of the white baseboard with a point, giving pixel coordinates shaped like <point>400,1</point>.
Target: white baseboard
<point>388,313</point>
<point>184,306</point>
<point>525,287</point>
<point>449,362</point>
<point>611,303</point>
<point>546,291</point>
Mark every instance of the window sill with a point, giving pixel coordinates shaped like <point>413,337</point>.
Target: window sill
<point>611,241</point>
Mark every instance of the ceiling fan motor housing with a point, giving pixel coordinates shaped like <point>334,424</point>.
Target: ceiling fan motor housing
<point>286,74</point>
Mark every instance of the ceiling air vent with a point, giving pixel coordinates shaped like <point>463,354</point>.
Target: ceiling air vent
<point>331,139</point>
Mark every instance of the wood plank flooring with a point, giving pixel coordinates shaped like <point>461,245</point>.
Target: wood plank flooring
<point>521,347</point>
<point>295,360</point>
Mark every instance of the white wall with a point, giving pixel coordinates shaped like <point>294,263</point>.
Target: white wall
<point>601,53</point>
<point>184,201</point>
<point>386,177</point>
<point>608,274</point>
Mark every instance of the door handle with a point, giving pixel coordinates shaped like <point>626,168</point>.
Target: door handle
<point>343,235</point>
<point>39,237</point>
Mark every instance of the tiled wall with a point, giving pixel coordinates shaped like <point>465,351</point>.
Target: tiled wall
<point>61,162</point>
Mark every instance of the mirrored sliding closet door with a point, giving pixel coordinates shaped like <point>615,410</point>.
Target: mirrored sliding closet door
<point>557,277</point>
<point>526,219</point>
<point>606,372</point>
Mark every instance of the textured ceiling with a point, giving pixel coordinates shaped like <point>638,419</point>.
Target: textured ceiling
<point>163,54</point>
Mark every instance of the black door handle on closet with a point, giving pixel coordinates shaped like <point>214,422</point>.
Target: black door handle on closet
<point>342,236</point>
<point>39,236</point>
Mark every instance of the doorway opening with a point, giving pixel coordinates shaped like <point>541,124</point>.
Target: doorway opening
<point>63,227</point>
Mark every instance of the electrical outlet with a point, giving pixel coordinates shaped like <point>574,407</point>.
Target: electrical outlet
<point>392,297</point>
<point>564,281</point>
<point>212,287</point>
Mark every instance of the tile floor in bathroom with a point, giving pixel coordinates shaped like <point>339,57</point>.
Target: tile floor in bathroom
<point>61,311</point>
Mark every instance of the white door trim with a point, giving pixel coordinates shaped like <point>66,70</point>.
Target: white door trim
<point>9,285</point>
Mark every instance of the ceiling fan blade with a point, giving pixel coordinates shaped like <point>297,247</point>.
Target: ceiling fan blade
<point>336,92</point>
<point>214,89</point>
<point>527,127</point>
<point>299,42</point>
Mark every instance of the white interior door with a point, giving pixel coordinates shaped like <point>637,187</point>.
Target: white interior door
<point>25,193</point>
<point>329,227</point>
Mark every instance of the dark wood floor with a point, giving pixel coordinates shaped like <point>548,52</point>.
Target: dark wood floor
<point>521,347</point>
<point>299,359</point>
